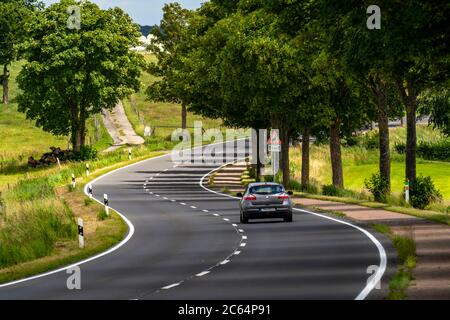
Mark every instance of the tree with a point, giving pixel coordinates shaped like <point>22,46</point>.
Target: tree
<point>362,54</point>
<point>167,46</point>
<point>210,94</point>
<point>436,104</point>
<point>72,74</point>
<point>13,16</point>
<point>413,42</point>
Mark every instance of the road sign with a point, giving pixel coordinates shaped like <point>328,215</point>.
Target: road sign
<point>275,148</point>
<point>274,142</point>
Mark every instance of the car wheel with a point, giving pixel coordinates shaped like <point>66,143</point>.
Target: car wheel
<point>244,219</point>
<point>288,218</point>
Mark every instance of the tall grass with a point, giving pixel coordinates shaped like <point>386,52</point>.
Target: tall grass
<point>31,229</point>
<point>33,219</point>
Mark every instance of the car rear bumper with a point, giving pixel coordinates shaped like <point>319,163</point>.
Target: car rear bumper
<point>264,214</point>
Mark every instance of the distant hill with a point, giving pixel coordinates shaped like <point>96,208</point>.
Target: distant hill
<point>145,30</point>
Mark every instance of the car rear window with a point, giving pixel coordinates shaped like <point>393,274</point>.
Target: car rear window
<point>267,189</point>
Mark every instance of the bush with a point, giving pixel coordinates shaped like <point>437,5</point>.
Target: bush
<point>424,192</point>
<point>371,140</point>
<point>439,151</point>
<point>351,141</point>
<point>85,153</point>
<point>378,186</point>
<point>400,148</point>
<point>332,191</point>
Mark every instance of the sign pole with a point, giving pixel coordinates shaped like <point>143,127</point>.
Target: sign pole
<point>407,187</point>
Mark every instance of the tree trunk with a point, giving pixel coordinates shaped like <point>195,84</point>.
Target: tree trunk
<point>183,116</point>
<point>5,84</point>
<point>82,132</point>
<point>336,157</point>
<point>258,160</point>
<point>75,128</point>
<point>410,101</point>
<point>305,157</point>
<point>284,163</point>
<point>411,143</point>
<point>383,127</point>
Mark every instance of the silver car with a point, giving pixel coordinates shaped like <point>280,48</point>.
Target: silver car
<point>265,200</point>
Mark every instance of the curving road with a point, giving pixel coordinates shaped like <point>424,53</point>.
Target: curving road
<point>186,243</point>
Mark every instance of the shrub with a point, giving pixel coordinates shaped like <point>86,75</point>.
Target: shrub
<point>424,192</point>
<point>351,141</point>
<point>85,153</point>
<point>371,140</point>
<point>378,186</point>
<point>332,191</point>
<point>439,151</point>
<point>400,148</point>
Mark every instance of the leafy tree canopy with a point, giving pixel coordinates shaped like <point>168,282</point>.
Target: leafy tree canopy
<point>70,73</point>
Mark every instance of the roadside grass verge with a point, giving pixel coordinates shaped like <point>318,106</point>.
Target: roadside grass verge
<point>37,218</point>
<point>360,162</point>
<point>406,252</point>
<point>20,138</point>
<point>436,216</point>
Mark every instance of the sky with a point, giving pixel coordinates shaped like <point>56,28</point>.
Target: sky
<point>144,12</point>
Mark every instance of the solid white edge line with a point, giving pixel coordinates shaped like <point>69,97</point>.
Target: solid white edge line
<point>383,258</point>
<point>116,247</point>
<point>128,222</point>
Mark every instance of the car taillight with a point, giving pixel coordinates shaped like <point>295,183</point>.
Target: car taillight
<point>283,197</point>
<point>250,198</point>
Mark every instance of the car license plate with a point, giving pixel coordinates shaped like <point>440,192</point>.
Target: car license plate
<point>269,210</point>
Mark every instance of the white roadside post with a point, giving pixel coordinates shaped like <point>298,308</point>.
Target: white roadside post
<point>105,201</point>
<point>81,233</point>
<point>74,182</point>
<point>275,149</point>
<point>90,191</point>
<point>147,131</point>
<point>129,154</point>
<point>87,170</point>
<point>59,162</point>
<point>407,187</point>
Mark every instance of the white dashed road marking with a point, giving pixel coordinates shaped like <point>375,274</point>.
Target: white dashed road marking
<point>201,274</point>
<point>171,286</point>
<point>223,262</point>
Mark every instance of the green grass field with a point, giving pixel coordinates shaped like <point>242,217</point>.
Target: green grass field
<point>360,163</point>
<point>20,138</point>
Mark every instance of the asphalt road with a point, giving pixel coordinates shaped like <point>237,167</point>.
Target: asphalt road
<point>187,243</point>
